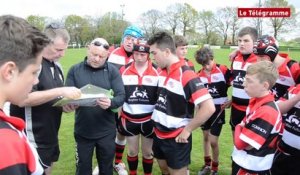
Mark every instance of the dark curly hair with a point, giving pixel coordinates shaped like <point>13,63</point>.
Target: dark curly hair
<point>204,55</point>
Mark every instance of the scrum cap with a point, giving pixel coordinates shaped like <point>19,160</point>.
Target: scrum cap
<point>266,45</point>
<point>133,31</point>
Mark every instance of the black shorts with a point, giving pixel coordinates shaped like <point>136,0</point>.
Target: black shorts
<point>128,128</point>
<point>177,155</point>
<point>237,170</point>
<point>215,122</point>
<point>48,155</point>
<point>215,130</point>
<point>285,164</point>
<point>116,119</point>
<point>236,117</point>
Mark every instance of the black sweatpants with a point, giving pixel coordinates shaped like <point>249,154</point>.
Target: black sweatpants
<point>105,152</point>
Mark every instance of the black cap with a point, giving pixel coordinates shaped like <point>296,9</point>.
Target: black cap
<point>141,48</point>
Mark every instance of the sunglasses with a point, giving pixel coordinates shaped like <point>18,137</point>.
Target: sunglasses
<point>97,43</point>
<point>55,26</point>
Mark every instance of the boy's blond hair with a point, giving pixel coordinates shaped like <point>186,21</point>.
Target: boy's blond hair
<point>265,71</point>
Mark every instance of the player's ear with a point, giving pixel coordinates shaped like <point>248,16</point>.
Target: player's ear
<point>168,51</point>
<point>266,85</point>
<point>8,70</point>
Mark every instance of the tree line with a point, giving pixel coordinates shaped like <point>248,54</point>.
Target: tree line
<point>199,27</point>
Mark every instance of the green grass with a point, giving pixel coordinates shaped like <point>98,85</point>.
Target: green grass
<point>66,163</point>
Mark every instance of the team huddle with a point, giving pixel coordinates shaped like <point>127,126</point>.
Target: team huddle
<point>157,103</point>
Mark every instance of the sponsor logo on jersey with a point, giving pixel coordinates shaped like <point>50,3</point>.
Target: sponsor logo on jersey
<point>258,128</point>
<point>138,94</point>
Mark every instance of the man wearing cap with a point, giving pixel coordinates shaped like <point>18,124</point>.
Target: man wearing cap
<point>267,48</point>
<point>42,119</point>
<point>95,127</point>
<point>141,82</point>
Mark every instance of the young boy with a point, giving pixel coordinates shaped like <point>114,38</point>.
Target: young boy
<point>140,79</point>
<point>21,46</point>
<point>216,79</point>
<point>256,135</point>
<point>182,50</point>
<point>244,57</point>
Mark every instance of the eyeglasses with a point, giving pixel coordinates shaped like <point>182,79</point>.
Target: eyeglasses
<point>55,26</point>
<point>97,43</point>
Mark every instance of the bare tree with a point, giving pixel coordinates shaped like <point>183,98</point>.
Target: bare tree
<point>234,26</point>
<point>151,22</point>
<point>281,24</point>
<point>256,23</point>
<point>188,18</point>
<point>171,16</point>
<point>207,23</point>
<point>224,18</point>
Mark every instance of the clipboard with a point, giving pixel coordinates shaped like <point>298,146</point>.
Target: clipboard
<point>89,96</point>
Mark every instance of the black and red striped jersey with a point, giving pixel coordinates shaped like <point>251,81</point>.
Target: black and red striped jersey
<point>179,90</point>
<point>217,82</point>
<point>240,98</point>
<point>17,155</point>
<point>141,92</point>
<point>288,74</point>
<point>290,141</point>
<point>119,57</point>
<point>262,126</point>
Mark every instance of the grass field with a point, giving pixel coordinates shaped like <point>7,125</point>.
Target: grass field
<point>66,163</point>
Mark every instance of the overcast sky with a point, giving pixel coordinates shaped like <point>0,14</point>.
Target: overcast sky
<point>132,8</point>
